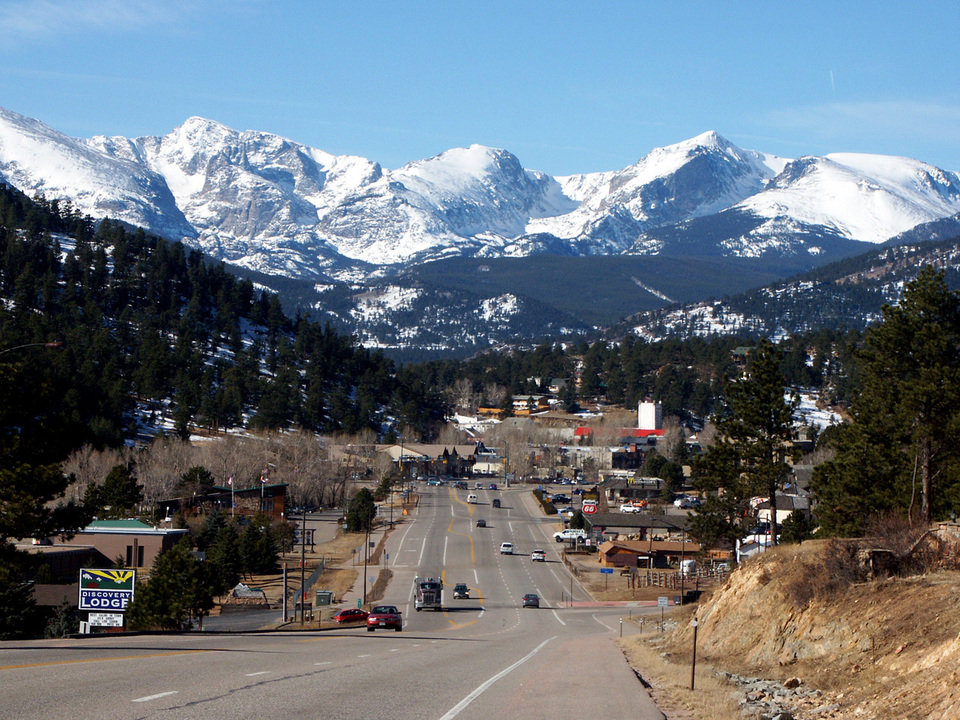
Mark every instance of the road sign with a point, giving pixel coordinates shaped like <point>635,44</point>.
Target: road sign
<point>588,509</point>
<point>663,601</point>
<point>106,589</point>
<point>606,571</point>
<point>105,619</point>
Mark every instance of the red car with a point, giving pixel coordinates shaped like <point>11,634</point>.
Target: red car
<point>351,615</point>
<point>384,616</point>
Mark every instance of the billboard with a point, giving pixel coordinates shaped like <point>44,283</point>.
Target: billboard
<point>109,590</point>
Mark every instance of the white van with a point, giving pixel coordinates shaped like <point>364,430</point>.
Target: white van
<point>472,498</point>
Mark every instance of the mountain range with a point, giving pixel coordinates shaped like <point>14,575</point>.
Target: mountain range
<point>469,248</point>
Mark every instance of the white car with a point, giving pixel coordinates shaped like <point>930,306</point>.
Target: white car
<point>506,548</point>
<point>630,508</point>
<point>687,502</point>
<point>538,556</point>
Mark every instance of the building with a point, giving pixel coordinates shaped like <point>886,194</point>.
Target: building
<point>130,543</point>
<point>650,416</point>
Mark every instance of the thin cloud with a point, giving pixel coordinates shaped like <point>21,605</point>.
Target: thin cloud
<point>33,20</point>
<point>926,119</point>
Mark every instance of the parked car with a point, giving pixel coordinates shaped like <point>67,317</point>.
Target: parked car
<point>531,600</point>
<point>686,501</point>
<point>492,486</point>
<point>461,592</point>
<point>538,555</point>
<point>496,502</point>
<point>566,512</point>
<point>570,534</point>
<point>481,522</point>
<point>630,508</point>
<point>506,548</point>
<point>478,486</point>
<point>384,616</point>
<point>350,615</point>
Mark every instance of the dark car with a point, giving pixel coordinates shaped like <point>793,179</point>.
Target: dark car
<point>481,522</point>
<point>350,615</point>
<point>492,486</point>
<point>461,592</point>
<point>531,600</point>
<point>496,502</point>
<point>384,616</point>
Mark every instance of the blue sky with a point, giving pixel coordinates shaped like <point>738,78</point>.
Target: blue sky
<point>566,86</point>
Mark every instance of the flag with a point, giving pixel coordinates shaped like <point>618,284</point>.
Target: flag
<point>230,480</point>
<point>263,478</point>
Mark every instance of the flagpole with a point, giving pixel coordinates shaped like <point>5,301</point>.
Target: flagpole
<point>233,498</point>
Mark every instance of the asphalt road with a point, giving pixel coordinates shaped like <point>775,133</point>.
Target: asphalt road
<point>485,657</point>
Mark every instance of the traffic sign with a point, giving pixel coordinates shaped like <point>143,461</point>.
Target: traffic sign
<point>606,571</point>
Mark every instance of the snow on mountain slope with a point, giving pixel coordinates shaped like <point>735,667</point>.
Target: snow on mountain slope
<point>270,204</point>
<point>41,161</point>
<point>690,179</point>
<point>863,197</point>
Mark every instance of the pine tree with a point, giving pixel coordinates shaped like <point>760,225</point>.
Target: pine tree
<point>177,591</point>
<point>900,451</point>
<point>755,432</point>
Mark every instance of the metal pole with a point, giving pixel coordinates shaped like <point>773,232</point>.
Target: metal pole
<point>683,557</point>
<point>693,665</point>
<point>303,552</point>
<point>366,551</point>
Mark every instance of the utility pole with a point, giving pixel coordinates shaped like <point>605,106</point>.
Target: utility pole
<point>303,552</point>
<point>366,552</point>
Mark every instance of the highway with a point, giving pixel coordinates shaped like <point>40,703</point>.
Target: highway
<point>485,657</point>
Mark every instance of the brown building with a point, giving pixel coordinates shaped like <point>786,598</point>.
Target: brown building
<point>133,543</point>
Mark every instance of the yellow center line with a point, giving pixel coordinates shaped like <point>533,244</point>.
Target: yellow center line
<point>106,659</point>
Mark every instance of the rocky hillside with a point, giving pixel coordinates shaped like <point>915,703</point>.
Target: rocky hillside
<point>886,647</point>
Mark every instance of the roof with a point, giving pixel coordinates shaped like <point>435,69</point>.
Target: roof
<point>645,547</point>
<point>635,521</point>
<point>129,527</point>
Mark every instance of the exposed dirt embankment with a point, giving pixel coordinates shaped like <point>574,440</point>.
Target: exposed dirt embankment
<point>875,649</point>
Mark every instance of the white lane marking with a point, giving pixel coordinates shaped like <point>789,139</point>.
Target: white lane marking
<point>558,617</point>
<point>148,698</point>
<point>394,649</point>
<point>423,546</point>
<point>594,616</point>
<point>262,672</point>
<point>364,655</point>
<point>444,561</point>
<point>326,662</point>
<point>403,539</point>
<point>461,706</point>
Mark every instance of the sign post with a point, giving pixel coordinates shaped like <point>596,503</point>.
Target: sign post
<point>106,593</point>
<point>662,603</point>
<point>606,572</point>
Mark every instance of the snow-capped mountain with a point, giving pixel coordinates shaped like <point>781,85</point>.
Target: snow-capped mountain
<point>354,241</point>
<point>270,204</point>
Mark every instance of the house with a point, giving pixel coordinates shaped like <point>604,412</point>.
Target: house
<point>435,459</point>
<point>262,497</point>
<point>786,504</point>
<point>526,404</point>
<point>645,553</point>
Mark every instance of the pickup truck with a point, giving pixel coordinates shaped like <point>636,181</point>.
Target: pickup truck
<point>570,534</point>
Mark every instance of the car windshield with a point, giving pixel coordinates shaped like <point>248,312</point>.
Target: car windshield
<point>385,609</point>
